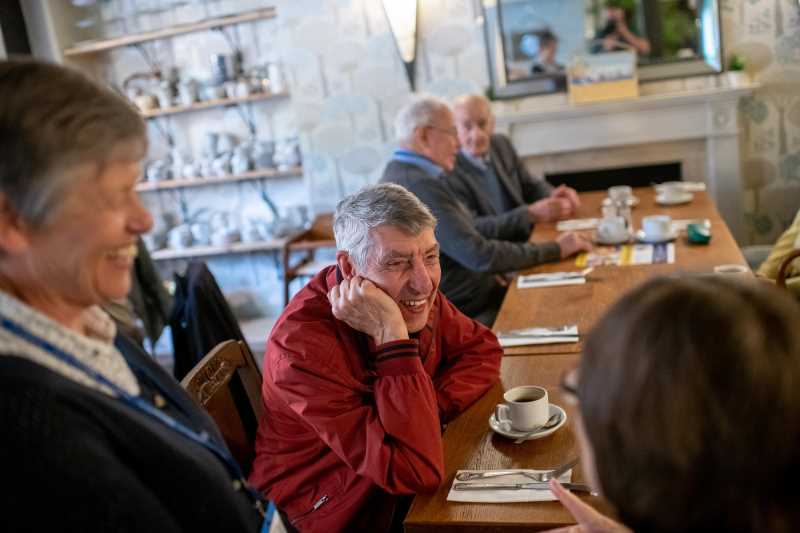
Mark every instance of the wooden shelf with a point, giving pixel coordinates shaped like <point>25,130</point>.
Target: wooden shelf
<point>207,104</point>
<point>147,186</point>
<point>101,45</point>
<point>235,248</point>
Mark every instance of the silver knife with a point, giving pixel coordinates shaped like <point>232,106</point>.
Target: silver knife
<point>542,335</point>
<point>580,487</point>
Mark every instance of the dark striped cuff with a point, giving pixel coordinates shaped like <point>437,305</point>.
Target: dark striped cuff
<point>396,350</point>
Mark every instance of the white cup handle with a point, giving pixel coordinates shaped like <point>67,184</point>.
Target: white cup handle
<point>498,410</point>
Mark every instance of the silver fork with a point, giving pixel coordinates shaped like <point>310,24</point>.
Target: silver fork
<point>536,476</point>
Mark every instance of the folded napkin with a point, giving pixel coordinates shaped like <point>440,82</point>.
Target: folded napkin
<point>577,224</point>
<point>524,337</point>
<point>551,279</point>
<point>682,224</point>
<point>504,496</point>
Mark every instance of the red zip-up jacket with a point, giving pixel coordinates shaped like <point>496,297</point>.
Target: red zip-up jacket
<point>349,424</point>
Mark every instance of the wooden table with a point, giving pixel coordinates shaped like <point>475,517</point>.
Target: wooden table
<point>584,304</point>
<point>468,441</point>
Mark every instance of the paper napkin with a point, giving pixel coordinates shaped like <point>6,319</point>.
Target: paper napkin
<point>504,496</point>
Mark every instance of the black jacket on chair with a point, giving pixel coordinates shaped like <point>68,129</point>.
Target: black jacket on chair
<point>201,318</point>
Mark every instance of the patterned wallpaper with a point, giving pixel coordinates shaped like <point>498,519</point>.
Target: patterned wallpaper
<point>767,34</point>
<point>346,83</point>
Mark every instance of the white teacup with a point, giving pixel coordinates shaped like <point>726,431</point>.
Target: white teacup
<point>656,226</point>
<point>620,193</point>
<point>612,229</point>
<point>526,408</point>
<point>671,190</point>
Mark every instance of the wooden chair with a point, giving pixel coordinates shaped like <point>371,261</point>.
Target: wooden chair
<point>783,271</point>
<point>320,235</point>
<point>227,384</point>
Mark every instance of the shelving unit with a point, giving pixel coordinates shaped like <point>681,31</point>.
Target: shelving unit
<point>101,45</point>
<point>208,104</point>
<point>147,186</point>
<point>235,248</point>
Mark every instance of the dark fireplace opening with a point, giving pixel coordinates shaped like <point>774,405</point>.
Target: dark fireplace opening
<point>601,179</point>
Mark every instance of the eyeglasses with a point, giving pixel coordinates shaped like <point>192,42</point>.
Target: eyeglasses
<point>449,131</point>
<point>569,385</point>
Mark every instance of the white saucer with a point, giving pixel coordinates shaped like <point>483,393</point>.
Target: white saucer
<point>641,236</point>
<point>633,201</point>
<point>683,198</point>
<point>514,434</point>
<point>611,242</point>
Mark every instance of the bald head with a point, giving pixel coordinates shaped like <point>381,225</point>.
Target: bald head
<point>474,123</point>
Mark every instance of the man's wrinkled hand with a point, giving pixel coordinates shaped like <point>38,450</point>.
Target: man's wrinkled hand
<point>550,209</point>
<point>570,194</point>
<point>365,307</point>
<point>572,243</point>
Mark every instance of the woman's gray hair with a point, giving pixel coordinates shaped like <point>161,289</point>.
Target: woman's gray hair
<point>386,204</point>
<point>419,112</point>
<point>54,120</point>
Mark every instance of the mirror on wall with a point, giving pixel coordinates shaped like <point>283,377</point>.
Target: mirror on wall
<point>531,42</point>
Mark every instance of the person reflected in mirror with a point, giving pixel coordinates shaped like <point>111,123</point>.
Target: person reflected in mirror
<point>617,34</point>
<point>545,60</point>
<point>688,409</point>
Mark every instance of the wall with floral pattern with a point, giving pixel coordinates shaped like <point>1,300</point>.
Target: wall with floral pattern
<point>346,82</point>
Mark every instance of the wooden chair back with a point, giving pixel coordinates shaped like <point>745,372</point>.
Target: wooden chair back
<point>227,384</point>
<point>780,280</point>
<point>319,235</point>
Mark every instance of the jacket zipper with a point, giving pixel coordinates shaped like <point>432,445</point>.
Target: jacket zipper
<point>319,503</point>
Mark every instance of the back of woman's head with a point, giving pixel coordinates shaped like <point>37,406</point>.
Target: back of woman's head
<point>53,119</point>
<point>690,394</point>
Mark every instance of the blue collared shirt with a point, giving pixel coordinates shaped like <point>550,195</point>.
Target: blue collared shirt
<point>418,160</point>
<point>480,162</point>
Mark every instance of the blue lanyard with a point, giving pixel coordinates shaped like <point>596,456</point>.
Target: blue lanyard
<point>140,404</point>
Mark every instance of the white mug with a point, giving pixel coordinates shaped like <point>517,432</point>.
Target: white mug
<point>612,228</point>
<point>620,192</point>
<point>671,189</point>
<point>526,408</point>
<point>655,226</point>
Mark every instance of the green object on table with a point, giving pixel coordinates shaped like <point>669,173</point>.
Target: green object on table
<point>698,233</point>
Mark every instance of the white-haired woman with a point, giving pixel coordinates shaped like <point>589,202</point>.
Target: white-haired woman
<point>91,439</point>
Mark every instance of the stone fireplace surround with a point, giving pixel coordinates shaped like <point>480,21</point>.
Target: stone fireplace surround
<point>696,126</point>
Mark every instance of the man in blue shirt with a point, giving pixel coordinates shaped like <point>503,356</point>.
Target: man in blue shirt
<point>474,250</point>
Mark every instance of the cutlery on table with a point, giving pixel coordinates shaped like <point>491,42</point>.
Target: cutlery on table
<point>580,487</point>
<point>541,477</point>
<point>563,331</point>
<point>552,421</point>
<point>555,276</point>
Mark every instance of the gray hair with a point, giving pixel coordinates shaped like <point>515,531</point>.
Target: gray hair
<point>52,121</point>
<point>419,112</point>
<point>386,204</point>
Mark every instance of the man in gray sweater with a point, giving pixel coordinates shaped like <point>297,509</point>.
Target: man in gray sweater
<point>475,251</point>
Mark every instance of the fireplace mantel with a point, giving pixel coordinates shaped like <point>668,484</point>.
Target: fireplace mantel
<point>545,126</point>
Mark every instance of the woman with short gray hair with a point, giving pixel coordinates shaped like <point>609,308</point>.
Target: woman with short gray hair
<point>96,436</point>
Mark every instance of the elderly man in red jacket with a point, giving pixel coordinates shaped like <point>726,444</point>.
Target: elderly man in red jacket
<point>363,367</point>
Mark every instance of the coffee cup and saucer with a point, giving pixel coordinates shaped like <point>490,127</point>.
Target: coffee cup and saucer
<point>656,229</point>
<point>673,193</point>
<point>525,411</point>
<point>611,231</point>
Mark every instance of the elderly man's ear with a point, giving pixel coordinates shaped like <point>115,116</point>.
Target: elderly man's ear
<point>13,234</point>
<point>346,265</point>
